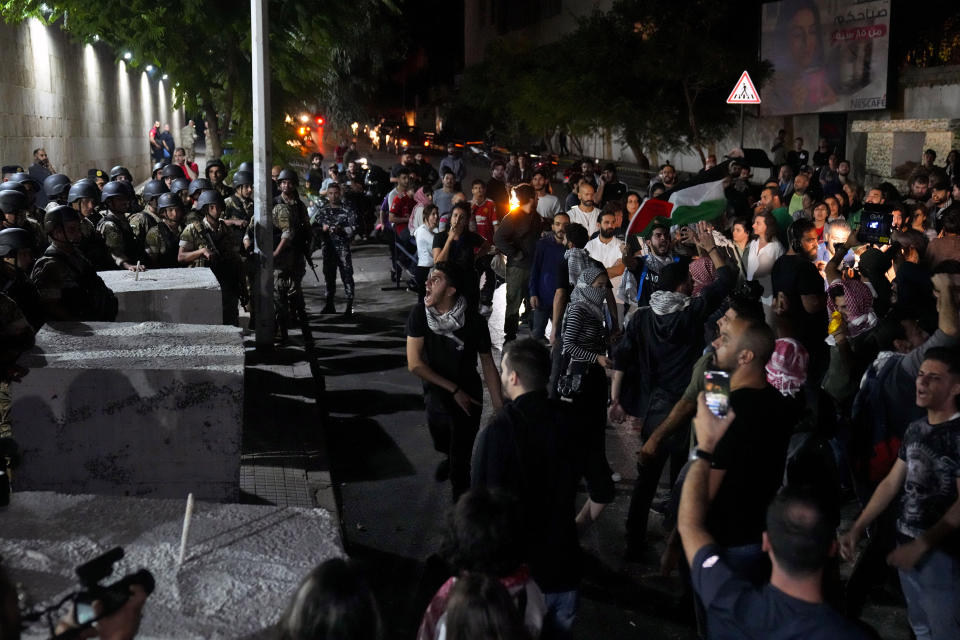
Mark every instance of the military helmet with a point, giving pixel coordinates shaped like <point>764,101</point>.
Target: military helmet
<point>245,166</point>
<point>200,184</point>
<point>153,188</point>
<point>179,184</point>
<point>10,185</point>
<point>25,179</point>
<point>54,218</point>
<point>13,201</point>
<point>168,200</point>
<point>85,188</point>
<point>288,174</point>
<point>209,196</point>
<point>120,171</point>
<point>14,239</point>
<point>56,186</point>
<point>157,168</point>
<point>172,171</point>
<point>216,162</point>
<point>112,189</point>
<point>242,178</point>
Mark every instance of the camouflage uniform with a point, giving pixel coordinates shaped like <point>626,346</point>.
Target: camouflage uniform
<point>163,246</point>
<point>238,208</point>
<point>16,336</point>
<point>142,222</point>
<point>36,230</point>
<point>225,263</point>
<point>70,289</point>
<point>334,245</point>
<point>92,245</point>
<point>120,241</point>
<point>288,266</point>
<point>224,190</point>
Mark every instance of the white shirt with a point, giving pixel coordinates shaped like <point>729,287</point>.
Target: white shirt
<point>424,236</point>
<point>588,220</point>
<point>760,264</point>
<point>416,217</point>
<point>548,205</point>
<point>608,253</point>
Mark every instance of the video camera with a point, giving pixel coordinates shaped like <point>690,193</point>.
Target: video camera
<point>876,224</point>
<point>111,597</point>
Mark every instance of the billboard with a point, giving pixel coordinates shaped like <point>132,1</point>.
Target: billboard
<point>828,55</point>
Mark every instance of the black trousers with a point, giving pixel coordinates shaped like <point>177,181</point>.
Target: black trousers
<point>453,432</point>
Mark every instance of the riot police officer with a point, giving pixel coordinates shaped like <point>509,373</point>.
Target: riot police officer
<point>163,241</point>
<point>120,173</point>
<point>170,173</point>
<point>84,196</point>
<point>117,234</point>
<point>333,227</point>
<point>33,187</point>
<point>143,221</point>
<point>16,253</point>
<point>240,204</point>
<point>197,186</point>
<point>13,206</point>
<point>69,287</point>
<point>210,243</point>
<point>181,187</point>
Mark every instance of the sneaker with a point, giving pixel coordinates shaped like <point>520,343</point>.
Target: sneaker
<point>443,471</point>
<point>486,309</point>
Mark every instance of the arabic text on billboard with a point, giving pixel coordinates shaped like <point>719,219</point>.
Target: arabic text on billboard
<point>828,55</point>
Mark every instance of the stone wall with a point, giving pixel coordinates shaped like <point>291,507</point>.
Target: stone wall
<point>86,108</point>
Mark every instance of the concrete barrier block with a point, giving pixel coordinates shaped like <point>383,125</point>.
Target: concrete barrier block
<point>183,296</point>
<point>146,409</point>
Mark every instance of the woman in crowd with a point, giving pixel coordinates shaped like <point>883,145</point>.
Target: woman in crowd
<point>424,237</point>
<point>764,250</point>
<point>834,204</point>
<point>821,211</point>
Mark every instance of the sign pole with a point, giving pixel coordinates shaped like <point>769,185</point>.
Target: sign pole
<point>741,127</point>
<point>744,93</point>
<point>262,185</point>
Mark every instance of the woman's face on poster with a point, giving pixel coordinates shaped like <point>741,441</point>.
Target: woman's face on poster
<point>803,38</point>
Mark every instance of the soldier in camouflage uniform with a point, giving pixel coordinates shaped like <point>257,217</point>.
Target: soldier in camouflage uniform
<point>216,173</point>
<point>117,234</point>
<point>240,204</point>
<point>333,227</point>
<point>210,243</point>
<point>69,287</point>
<point>16,336</point>
<point>16,263</point>
<point>289,264</point>
<point>84,196</point>
<point>56,186</point>
<point>163,241</point>
<point>143,221</point>
<point>196,187</point>
<point>170,173</point>
<point>181,187</point>
<point>13,206</point>
<point>120,174</point>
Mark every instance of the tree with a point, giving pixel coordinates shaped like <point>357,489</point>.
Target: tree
<point>317,56</point>
<point>656,71</point>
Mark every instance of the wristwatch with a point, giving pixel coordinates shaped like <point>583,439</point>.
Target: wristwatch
<point>701,454</point>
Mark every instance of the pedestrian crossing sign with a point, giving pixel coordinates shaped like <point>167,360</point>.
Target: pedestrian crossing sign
<point>744,92</point>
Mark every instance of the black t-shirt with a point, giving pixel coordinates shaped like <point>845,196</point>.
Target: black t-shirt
<point>613,191</point>
<point>737,610</point>
<point>455,360</point>
<point>796,276</point>
<point>497,191</point>
<point>463,251</point>
<point>753,453</point>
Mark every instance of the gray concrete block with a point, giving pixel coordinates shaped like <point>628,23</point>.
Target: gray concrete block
<point>146,409</point>
<point>182,296</point>
<point>243,562</point>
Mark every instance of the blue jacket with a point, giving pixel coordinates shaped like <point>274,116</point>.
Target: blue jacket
<point>543,274</point>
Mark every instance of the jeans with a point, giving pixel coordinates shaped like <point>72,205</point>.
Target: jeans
<point>932,591</point>
<point>518,282</point>
<point>540,319</point>
<point>561,612</point>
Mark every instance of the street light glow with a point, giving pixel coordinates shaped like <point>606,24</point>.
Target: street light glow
<point>127,55</point>
<point>149,68</point>
<point>165,76</point>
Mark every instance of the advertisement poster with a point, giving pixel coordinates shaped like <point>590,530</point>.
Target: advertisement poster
<point>828,55</point>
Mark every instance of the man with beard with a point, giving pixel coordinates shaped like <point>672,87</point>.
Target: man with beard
<point>585,214</point>
<point>454,163</point>
<point>799,298</point>
<point>543,274</point>
<point>609,251</point>
<point>927,470</point>
<point>646,269</point>
<point>548,205</point>
<point>497,188</point>
<point>445,338</point>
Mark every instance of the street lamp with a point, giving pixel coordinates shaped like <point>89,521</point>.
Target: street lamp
<point>127,55</point>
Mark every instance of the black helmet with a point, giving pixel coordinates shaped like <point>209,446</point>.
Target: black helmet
<point>242,177</point>
<point>153,188</point>
<point>10,185</point>
<point>288,174</point>
<point>120,171</point>
<point>14,239</point>
<point>200,184</point>
<point>245,166</point>
<point>210,196</point>
<point>168,200</point>
<point>25,179</point>
<point>173,171</point>
<point>54,218</point>
<point>214,163</point>
<point>85,188</point>
<point>112,189</point>
<point>157,166</point>
<point>13,201</point>
<point>179,184</point>
<point>56,186</point>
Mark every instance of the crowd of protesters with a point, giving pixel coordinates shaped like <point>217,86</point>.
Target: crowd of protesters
<point>830,309</point>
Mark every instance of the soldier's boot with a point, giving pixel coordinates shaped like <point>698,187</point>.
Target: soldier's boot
<point>349,310</point>
<point>329,308</point>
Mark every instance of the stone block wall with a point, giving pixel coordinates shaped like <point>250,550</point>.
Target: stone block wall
<point>81,104</point>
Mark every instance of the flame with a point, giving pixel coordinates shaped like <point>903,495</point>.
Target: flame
<point>514,203</point>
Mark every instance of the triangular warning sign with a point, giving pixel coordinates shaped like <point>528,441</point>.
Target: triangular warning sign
<point>744,92</point>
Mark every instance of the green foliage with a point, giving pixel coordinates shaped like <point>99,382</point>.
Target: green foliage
<point>319,57</point>
<point>658,71</point>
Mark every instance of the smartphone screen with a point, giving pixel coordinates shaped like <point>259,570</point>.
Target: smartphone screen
<point>83,612</point>
<point>717,391</point>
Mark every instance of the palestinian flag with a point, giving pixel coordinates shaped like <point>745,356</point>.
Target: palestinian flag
<point>690,203</point>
